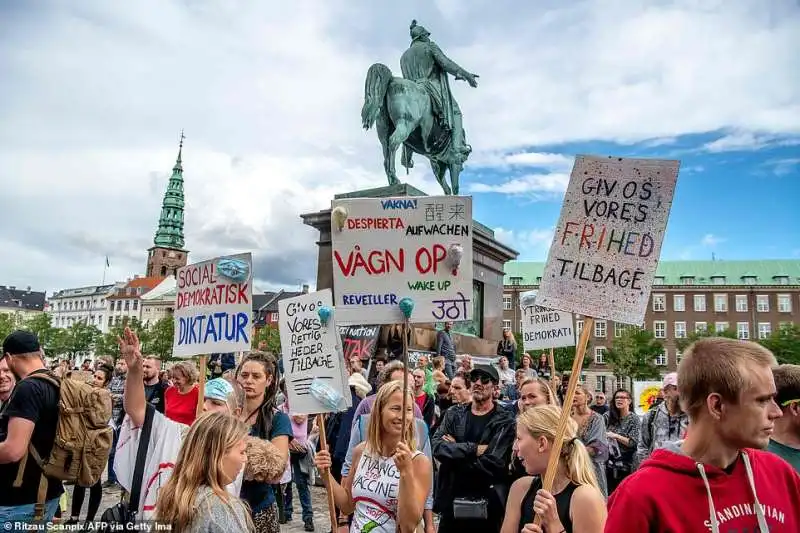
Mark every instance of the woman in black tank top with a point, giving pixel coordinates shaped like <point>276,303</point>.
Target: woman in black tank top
<point>577,505</point>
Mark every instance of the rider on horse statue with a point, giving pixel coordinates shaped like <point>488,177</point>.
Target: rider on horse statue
<point>426,64</point>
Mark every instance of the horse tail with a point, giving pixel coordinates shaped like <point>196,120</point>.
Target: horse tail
<point>378,78</point>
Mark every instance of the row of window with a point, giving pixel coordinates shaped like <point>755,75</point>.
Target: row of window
<point>93,304</point>
<point>691,280</point>
<point>65,322</point>
<point>721,302</point>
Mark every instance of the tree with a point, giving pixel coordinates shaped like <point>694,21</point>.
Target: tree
<point>80,339</point>
<point>8,323</point>
<point>160,339</point>
<point>684,343</point>
<point>564,357</point>
<point>269,335</point>
<point>108,344</point>
<point>41,325</point>
<point>633,354</point>
<point>784,344</point>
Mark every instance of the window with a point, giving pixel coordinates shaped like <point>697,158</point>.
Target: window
<point>743,330</point>
<point>764,330</point>
<point>119,305</point>
<point>679,302</point>
<point>516,281</point>
<point>599,329</point>
<point>680,330</point>
<point>699,302</point>
<point>719,327</point>
<point>784,303</point>
<point>781,280</point>
<point>135,305</point>
<point>678,356</point>
<point>507,302</point>
<point>659,302</point>
<point>700,327</point>
<point>661,359</point>
<point>578,327</point>
<point>110,321</point>
<point>687,280</point>
<point>538,280</point>
<point>619,329</point>
<point>127,305</point>
<point>600,355</point>
<point>721,303</point>
<point>749,280</point>
<point>741,303</point>
<point>718,280</point>
<point>600,383</point>
<point>762,303</point>
<point>506,324</point>
<point>660,329</point>
<point>658,280</point>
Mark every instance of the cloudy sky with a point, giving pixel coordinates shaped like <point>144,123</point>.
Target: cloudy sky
<point>94,94</point>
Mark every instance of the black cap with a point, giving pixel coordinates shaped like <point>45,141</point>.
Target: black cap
<point>488,370</point>
<point>20,342</point>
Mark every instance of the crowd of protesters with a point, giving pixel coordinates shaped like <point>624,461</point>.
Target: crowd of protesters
<point>720,452</point>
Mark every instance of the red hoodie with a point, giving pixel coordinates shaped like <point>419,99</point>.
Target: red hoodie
<point>668,494</point>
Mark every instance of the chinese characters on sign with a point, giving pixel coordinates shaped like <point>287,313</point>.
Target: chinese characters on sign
<point>392,248</point>
<point>608,239</point>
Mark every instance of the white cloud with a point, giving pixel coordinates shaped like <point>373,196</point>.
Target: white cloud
<point>270,94</point>
<point>532,244</point>
<point>711,241</point>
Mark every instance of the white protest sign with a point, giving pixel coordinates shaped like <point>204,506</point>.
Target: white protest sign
<point>310,351</point>
<point>608,239</point>
<point>544,328</point>
<point>387,249</point>
<point>645,394</point>
<point>213,306</point>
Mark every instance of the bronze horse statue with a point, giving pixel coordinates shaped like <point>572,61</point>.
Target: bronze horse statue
<point>402,112</point>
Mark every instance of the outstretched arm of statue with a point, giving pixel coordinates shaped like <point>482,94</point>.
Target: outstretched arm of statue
<point>451,67</point>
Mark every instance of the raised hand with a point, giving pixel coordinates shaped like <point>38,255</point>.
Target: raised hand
<point>130,349</point>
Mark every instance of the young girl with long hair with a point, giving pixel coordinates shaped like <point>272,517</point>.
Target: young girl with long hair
<point>257,374</point>
<point>386,490</point>
<point>195,500</point>
<point>575,505</point>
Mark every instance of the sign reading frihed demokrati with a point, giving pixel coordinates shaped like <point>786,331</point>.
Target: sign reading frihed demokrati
<point>544,328</point>
<point>608,239</point>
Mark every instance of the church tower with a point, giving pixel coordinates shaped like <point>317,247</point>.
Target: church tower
<point>167,255</point>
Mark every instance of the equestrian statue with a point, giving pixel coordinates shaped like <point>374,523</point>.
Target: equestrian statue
<point>418,111</point>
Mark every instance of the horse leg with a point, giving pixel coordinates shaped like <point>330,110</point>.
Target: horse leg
<point>455,170</point>
<point>439,170</point>
<point>382,127</point>
<point>396,139</point>
<point>426,126</point>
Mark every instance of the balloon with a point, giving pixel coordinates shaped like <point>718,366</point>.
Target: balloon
<point>454,254</point>
<point>407,307</point>
<point>324,313</point>
<point>338,216</point>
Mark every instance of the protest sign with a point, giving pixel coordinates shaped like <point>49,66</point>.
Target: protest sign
<point>544,328</point>
<point>387,249</point>
<point>213,306</point>
<point>645,394</point>
<point>310,351</point>
<point>608,239</point>
<point>415,355</point>
<point>360,341</point>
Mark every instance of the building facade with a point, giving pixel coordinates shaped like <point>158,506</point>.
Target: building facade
<point>82,304</point>
<point>750,298</point>
<point>21,303</point>
<point>125,301</point>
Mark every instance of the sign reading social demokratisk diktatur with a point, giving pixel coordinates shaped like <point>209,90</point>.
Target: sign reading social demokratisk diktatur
<point>310,351</point>
<point>544,328</point>
<point>213,311</point>
<point>608,240</point>
<point>387,249</point>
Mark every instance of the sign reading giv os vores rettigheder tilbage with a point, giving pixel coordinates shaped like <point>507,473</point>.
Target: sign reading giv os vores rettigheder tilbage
<point>311,352</point>
<point>608,239</point>
<point>387,249</point>
<point>213,306</point>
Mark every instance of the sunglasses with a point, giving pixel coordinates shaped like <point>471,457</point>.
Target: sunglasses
<point>483,378</point>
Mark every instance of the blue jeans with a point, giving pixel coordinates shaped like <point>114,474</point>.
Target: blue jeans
<point>449,368</point>
<point>301,482</point>
<point>24,513</point>
<point>112,476</point>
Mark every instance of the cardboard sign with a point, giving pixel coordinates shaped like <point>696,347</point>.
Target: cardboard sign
<point>213,306</point>
<point>544,328</point>
<point>310,351</point>
<point>387,249</point>
<point>360,341</point>
<point>415,355</point>
<point>608,239</point>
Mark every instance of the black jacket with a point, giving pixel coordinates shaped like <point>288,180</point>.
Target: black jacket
<point>462,473</point>
<point>429,410</point>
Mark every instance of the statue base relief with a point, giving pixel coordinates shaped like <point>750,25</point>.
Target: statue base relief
<point>477,337</point>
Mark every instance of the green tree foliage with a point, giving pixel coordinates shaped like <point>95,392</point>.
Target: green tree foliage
<point>684,343</point>
<point>784,344</point>
<point>108,343</point>
<point>270,336</point>
<point>79,339</point>
<point>633,354</point>
<point>8,323</point>
<point>160,338</point>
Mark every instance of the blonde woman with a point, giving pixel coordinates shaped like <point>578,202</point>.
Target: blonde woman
<point>575,504</point>
<point>387,489</point>
<point>195,500</point>
<point>180,398</point>
<point>532,393</point>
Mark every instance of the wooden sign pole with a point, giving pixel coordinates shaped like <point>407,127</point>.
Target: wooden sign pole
<point>405,377</point>
<point>561,429</point>
<point>552,362</point>
<point>201,386</point>
<point>323,443</point>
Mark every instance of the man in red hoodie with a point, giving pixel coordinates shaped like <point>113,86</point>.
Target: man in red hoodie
<point>715,480</point>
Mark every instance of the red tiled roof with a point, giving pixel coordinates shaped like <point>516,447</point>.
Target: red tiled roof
<point>147,283</point>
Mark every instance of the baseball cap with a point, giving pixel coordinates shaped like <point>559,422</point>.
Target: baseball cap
<point>670,379</point>
<point>218,389</point>
<point>488,370</point>
<point>19,342</point>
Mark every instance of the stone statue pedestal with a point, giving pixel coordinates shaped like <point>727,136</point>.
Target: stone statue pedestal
<point>488,260</point>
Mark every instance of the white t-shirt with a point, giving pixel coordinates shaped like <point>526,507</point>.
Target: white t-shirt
<point>166,437</point>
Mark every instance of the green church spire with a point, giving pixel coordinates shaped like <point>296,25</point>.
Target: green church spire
<point>170,224</point>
